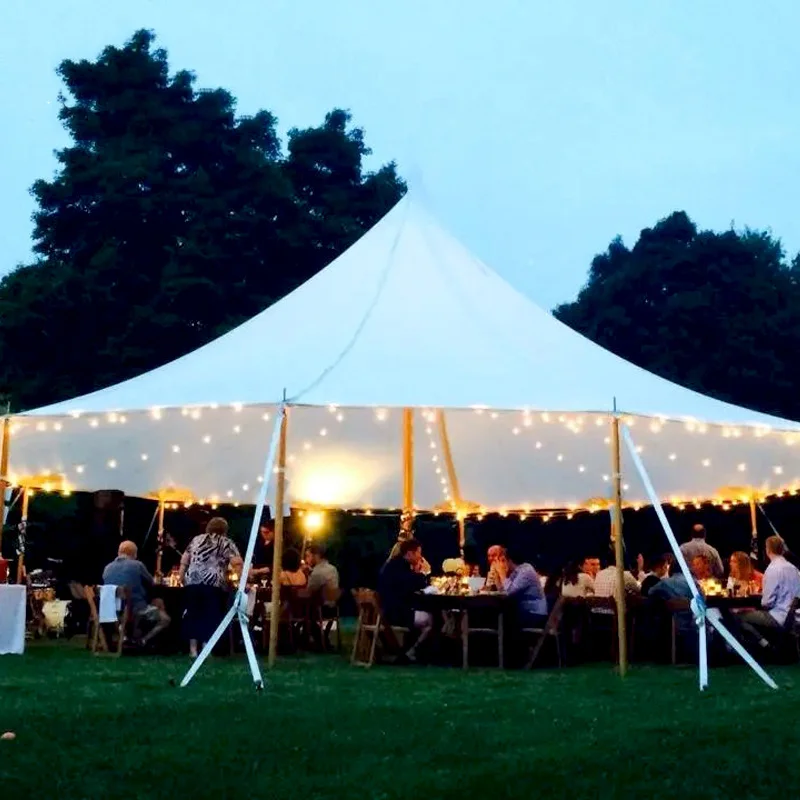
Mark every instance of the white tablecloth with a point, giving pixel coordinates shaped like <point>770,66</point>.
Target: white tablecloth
<point>12,619</point>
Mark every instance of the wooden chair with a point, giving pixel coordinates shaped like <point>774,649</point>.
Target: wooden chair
<point>676,606</point>
<point>324,612</point>
<point>294,615</point>
<point>371,628</point>
<point>98,636</point>
<point>604,609</point>
<point>790,628</point>
<point>551,630</point>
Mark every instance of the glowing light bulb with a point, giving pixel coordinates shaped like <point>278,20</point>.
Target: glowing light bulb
<point>340,417</point>
<point>93,423</point>
<point>778,470</point>
<point>515,431</point>
<point>672,456</point>
<point>57,426</point>
<point>206,439</point>
<point>156,413</point>
<point>706,462</point>
<point>237,428</point>
<point>559,457</point>
<point>742,467</point>
<point>581,468</point>
<point>538,445</point>
<point>145,456</point>
<point>112,464</point>
<point>381,414</point>
<point>79,469</point>
<point>41,426</point>
<point>237,407</point>
<point>176,448</point>
<point>323,432</point>
<point>195,413</point>
<point>265,417</point>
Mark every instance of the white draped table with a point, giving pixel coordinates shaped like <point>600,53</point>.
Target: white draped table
<point>12,619</point>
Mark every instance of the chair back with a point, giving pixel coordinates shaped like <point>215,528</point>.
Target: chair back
<point>331,595</point>
<point>368,605</point>
<point>790,622</point>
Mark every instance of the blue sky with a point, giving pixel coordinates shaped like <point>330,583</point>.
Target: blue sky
<point>539,130</point>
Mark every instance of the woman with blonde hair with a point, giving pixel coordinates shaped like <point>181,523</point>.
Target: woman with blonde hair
<point>204,573</point>
<point>743,571</point>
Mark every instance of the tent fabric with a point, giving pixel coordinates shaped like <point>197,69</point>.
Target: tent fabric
<point>406,317</point>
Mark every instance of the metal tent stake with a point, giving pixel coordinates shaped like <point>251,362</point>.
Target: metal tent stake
<point>239,607</point>
<point>698,606</point>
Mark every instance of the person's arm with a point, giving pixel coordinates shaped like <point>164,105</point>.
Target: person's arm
<point>519,582</point>
<point>147,578</point>
<point>769,594</point>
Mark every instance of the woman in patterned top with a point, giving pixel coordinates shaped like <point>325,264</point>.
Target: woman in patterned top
<point>204,572</point>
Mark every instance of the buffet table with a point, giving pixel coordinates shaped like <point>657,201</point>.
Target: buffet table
<point>12,619</point>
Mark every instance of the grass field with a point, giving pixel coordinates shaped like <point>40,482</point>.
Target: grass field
<point>102,728</point>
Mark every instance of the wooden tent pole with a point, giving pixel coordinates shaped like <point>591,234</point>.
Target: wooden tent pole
<point>23,524</point>
<point>160,550</point>
<point>452,478</point>
<point>277,553</point>
<point>408,474</point>
<point>5,446</point>
<point>753,525</point>
<point>616,521</point>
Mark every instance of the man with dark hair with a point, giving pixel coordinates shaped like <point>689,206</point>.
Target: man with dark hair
<point>659,569</point>
<point>399,580</point>
<point>698,546</point>
<point>781,587</point>
<point>264,550</point>
<point>323,574</point>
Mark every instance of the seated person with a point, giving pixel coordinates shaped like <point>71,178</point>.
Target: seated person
<point>323,574</point>
<point>521,582</point>
<point>494,582</point>
<point>576,582</point>
<point>743,571</point>
<point>676,587</point>
<point>399,580</point>
<point>658,570</point>
<point>590,566</point>
<point>781,587</point>
<point>126,570</point>
<point>605,582</point>
<point>700,566</point>
<point>291,569</point>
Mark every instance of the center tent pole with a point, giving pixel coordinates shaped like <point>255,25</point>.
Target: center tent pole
<point>452,478</point>
<point>5,446</point>
<point>619,552</point>
<point>160,536</point>
<point>277,552</point>
<point>407,516</point>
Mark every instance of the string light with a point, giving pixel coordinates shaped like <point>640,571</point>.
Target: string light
<point>112,464</point>
<point>144,456</point>
<point>237,428</point>
<point>79,469</point>
<point>93,423</point>
<point>206,439</point>
<point>176,448</point>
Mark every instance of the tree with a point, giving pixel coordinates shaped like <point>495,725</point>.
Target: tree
<point>717,312</point>
<point>170,220</point>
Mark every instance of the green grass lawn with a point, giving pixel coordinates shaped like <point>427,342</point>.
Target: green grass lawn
<point>94,727</point>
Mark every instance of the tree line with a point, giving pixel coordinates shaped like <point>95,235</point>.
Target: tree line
<point>171,219</point>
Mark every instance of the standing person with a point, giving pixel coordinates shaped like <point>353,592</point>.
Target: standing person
<point>698,546</point>
<point>204,573</point>
<point>781,587</point>
<point>400,579</point>
<point>264,550</point>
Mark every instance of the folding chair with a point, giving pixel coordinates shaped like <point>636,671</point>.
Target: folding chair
<point>790,629</point>
<point>98,636</point>
<point>324,612</point>
<point>372,624</point>
<point>604,609</point>
<point>550,630</point>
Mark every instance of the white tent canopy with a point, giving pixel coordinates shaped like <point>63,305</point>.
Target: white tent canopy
<point>406,317</point>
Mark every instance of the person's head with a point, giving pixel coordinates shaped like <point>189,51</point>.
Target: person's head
<point>411,551</point>
<point>217,527</point>
<point>513,557</point>
<point>741,566</point>
<point>495,552</point>
<point>591,566</point>
<point>266,531</point>
<point>701,567</point>
<point>660,566</point>
<point>775,547</point>
<point>290,562</point>
<point>698,531</point>
<point>570,573</point>
<point>128,550</point>
<point>315,554</point>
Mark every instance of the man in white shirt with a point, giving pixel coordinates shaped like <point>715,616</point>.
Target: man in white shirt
<point>605,582</point>
<point>698,546</point>
<point>781,587</point>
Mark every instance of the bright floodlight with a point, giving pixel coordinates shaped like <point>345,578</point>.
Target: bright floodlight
<point>313,521</point>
